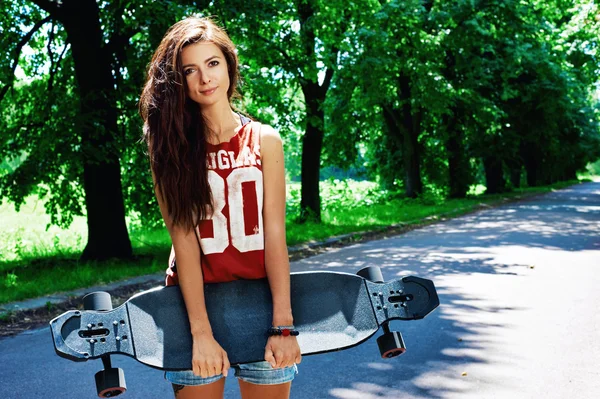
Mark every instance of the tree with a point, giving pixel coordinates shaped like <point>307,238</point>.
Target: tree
<point>297,41</point>
<point>483,80</point>
<point>423,90</point>
<point>73,152</point>
<point>393,66</point>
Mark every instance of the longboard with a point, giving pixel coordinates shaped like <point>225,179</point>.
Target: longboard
<point>332,311</point>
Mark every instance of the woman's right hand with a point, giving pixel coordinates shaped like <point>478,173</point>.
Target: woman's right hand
<point>208,357</point>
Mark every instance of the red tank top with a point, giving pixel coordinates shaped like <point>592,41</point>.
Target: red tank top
<point>232,240</point>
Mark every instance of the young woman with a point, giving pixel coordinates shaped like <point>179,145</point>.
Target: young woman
<point>220,184</point>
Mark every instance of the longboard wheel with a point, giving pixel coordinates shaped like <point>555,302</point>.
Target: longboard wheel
<point>99,300</point>
<point>110,382</point>
<point>391,344</point>
<point>371,273</point>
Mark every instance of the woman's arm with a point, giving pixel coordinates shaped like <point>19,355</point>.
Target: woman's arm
<point>208,358</point>
<point>280,351</point>
<point>276,254</point>
<point>191,283</point>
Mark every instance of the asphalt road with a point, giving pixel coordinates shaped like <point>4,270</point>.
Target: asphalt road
<point>519,287</point>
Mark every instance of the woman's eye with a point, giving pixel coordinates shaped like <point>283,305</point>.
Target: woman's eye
<point>213,63</point>
<point>188,71</point>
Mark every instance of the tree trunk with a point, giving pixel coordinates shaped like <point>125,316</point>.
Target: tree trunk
<point>107,231</point>
<point>404,129</point>
<point>515,167</point>
<point>314,97</point>
<point>494,176</point>
<point>312,143</point>
<point>515,176</point>
<point>410,146</point>
<point>528,154</point>
<point>391,118</point>
<point>570,173</point>
<point>459,170</point>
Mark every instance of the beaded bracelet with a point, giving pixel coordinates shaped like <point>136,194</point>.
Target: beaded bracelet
<point>283,330</point>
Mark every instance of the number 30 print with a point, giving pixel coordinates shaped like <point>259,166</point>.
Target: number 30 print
<point>239,239</point>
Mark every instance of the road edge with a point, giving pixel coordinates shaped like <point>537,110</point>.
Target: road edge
<point>296,252</point>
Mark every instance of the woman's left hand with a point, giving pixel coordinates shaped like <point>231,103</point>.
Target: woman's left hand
<point>282,351</point>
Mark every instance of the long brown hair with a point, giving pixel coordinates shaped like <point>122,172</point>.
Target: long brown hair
<point>174,127</point>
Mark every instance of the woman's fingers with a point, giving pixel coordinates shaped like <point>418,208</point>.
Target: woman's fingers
<point>226,364</point>
<point>214,368</point>
<point>196,369</point>
<point>215,365</point>
<point>279,359</point>
<point>203,370</point>
<point>269,357</point>
<point>211,367</point>
<point>291,359</point>
<point>282,352</point>
<point>285,358</point>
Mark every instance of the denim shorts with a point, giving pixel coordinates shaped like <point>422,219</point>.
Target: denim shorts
<point>255,373</point>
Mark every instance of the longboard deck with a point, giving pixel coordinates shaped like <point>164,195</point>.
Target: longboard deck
<point>332,311</point>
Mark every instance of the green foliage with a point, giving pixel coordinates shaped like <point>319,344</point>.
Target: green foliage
<point>10,280</point>
<point>594,168</point>
<point>503,81</point>
<point>366,207</point>
<point>508,81</point>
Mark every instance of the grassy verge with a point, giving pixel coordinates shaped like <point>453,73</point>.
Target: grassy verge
<point>344,220</point>
<point>36,262</point>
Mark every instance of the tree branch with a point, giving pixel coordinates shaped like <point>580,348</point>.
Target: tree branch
<point>18,49</point>
<point>330,70</point>
<point>119,40</point>
<point>54,68</point>
<point>116,35</point>
<point>284,54</point>
<point>391,112</point>
<point>50,40</point>
<point>51,56</point>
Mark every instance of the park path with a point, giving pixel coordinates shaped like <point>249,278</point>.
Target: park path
<point>519,316</point>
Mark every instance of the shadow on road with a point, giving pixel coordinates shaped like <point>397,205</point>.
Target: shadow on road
<point>492,250</point>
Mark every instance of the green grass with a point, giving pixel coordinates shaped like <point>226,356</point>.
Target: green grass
<point>48,275</point>
<point>36,262</point>
<point>345,220</point>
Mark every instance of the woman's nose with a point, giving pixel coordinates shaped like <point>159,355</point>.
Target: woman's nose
<point>204,78</point>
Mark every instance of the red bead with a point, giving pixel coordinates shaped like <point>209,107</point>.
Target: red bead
<point>285,332</point>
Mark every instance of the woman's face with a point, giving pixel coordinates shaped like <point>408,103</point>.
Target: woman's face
<point>205,70</point>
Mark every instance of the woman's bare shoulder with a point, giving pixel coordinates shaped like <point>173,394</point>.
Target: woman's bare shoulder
<point>269,135</point>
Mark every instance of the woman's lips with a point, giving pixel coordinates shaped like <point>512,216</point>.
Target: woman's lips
<point>208,92</point>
